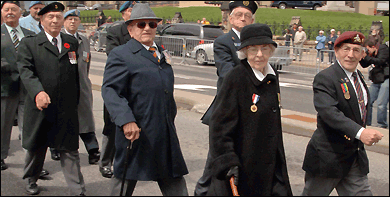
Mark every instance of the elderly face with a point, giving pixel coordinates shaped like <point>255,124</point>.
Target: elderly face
<point>11,14</point>
<point>52,22</point>
<point>143,31</point>
<point>127,13</point>
<point>240,17</point>
<point>349,55</point>
<point>35,9</point>
<point>71,23</point>
<point>300,28</point>
<point>258,55</point>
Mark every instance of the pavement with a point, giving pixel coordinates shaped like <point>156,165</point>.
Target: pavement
<point>293,122</point>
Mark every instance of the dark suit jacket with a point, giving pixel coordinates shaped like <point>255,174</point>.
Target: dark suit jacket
<point>10,80</point>
<point>138,88</point>
<point>225,48</point>
<point>333,147</point>
<point>43,68</point>
<point>117,35</point>
<point>381,62</point>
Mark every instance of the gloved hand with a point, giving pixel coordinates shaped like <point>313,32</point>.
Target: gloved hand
<point>233,172</point>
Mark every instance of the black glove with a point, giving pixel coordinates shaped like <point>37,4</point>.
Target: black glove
<point>233,172</point>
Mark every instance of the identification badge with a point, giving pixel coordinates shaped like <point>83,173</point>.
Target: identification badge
<point>168,57</point>
<point>255,99</point>
<point>72,57</point>
<point>237,44</point>
<point>85,56</point>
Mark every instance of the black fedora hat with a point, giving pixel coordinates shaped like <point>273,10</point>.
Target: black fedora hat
<point>142,11</point>
<point>256,34</point>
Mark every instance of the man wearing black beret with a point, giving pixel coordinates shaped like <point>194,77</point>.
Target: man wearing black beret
<point>225,48</point>
<point>48,68</point>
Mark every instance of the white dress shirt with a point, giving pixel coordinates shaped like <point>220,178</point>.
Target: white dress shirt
<point>59,41</point>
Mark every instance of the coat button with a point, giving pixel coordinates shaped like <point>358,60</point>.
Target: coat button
<point>166,91</point>
<point>274,109</point>
<point>160,67</point>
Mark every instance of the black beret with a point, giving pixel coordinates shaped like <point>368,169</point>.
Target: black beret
<point>52,7</point>
<point>251,5</point>
<point>14,2</point>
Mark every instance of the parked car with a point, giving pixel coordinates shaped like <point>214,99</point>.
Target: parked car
<point>204,54</point>
<point>297,4</point>
<point>189,34</point>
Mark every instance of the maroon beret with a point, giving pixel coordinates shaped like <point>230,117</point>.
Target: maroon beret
<point>352,37</point>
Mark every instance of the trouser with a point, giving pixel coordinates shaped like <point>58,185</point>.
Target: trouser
<point>203,184</point>
<point>168,186</point>
<point>354,184</point>
<point>331,55</point>
<point>320,52</point>
<point>70,164</point>
<point>298,47</point>
<point>9,106</point>
<point>108,143</point>
<point>380,94</point>
<point>90,142</point>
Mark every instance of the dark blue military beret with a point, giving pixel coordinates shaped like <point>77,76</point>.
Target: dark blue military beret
<point>52,7</point>
<point>127,4</point>
<point>251,5</point>
<point>14,2</point>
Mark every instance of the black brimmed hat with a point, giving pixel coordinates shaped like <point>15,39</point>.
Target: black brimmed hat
<point>256,34</point>
<point>250,5</point>
<point>142,11</point>
<point>52,7</point>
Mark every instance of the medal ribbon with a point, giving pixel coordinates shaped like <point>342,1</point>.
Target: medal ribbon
<point>255,98</point>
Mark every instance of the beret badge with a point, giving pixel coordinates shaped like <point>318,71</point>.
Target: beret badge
<point>246,3</point>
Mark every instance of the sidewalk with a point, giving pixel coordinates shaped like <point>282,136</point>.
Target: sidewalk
<point>293,122</point>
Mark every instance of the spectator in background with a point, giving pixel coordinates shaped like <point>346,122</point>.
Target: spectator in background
<point>375,37</point>
<point>205,22</point>
<point>330,40</point>
<point>287,37</point>
<point>299,39</point>
<point>320,41</point>
<point>338,33</point>
<point>198,21</point>
<point>292,31</point>
<point>101,20</point>
<point>109,19</point>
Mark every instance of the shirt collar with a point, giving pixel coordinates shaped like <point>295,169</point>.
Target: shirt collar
<point>237,32</point>
<point>267,70</point>
<point>147,47</point>
<point>348,73</point>
<point>9,28</point>
<point>75,34</point>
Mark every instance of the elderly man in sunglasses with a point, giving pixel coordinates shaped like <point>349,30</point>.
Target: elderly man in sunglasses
<point>138,93</point>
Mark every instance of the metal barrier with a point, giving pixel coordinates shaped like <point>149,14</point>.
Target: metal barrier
<point>100,44</point>
<point>175,46</point>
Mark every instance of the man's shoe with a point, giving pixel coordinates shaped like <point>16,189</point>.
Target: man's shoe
<point>55,155</point>
<point>32,189</point>
<point>106,172</point>
<point>93,158</point>
<point>3,165</point>
<point>43,173</point>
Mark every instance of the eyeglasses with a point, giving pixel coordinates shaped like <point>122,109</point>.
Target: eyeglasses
<point>246,15</point>
<point>262,48</point>
<point>143,24</point>
<point>356,50</point>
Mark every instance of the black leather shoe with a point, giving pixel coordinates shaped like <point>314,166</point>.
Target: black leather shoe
<point>43,173</point>
<point>55,155</point>
<point>106,172</point>
<point>32,189</point>
<point>3,165</point>
<point>93,158</point>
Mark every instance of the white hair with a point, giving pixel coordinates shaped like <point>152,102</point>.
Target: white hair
<point>332,30</point>
<point>321,31</point>
<point>242,53</point>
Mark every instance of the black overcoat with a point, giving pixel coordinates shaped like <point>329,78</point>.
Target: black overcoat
<point>251,140</point>
<point>137,88</point>
<point>42,68</point>
<point>333,147</point>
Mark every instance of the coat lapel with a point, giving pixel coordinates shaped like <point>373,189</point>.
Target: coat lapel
<point>6,37</point>
<point>42,40</point>
<point>64,50</point>
<point>235,39</point>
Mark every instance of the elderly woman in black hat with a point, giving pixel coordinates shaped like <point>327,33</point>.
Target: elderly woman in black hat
<point>245,128</point>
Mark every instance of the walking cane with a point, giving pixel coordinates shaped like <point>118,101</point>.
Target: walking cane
<point>234,187</point>
<point>129,149</point>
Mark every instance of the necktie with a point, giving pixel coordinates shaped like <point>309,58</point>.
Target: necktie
<point>15,39</point>
<point>360,96</point>
<point>55,43</point>
<point>153,51</point>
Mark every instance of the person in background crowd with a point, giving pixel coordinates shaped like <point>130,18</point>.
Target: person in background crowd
<point>116,35</point>
<point>293,29</point>
<point>225,48</point>
<point>198,21</point>
<point>136,74</point>
<point>330,41</point>
<point>31,22</point>
<point>379,75</point>
<point>320,41</point>
<point>335,155</point>
<point>245,127</point>
<point>109,19</point>
<point>375,37</point>
<point>205,22</point>
<point>85,112</point>
<point>48,68</point>
<point>287,37</point>
<point>101,19</point>
<point>338,33</point>
<point>299,40</point>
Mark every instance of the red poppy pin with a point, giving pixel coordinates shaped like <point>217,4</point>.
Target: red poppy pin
<point>66,45</point>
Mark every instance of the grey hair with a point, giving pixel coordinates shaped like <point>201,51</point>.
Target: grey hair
<point>242,53</point>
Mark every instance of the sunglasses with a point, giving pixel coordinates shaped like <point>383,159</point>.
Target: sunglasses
<point>143,24</point>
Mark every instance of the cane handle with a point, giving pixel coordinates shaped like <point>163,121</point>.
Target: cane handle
<point>234,187</point>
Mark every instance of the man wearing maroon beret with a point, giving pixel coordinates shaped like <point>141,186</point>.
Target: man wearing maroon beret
<point>335,155</point>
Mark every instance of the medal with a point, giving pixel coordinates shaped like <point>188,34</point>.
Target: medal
<point>255,99</point>
<point>344,87</point>
<point>168,57</point>
<point>72,57</point>
<point>347,95</point>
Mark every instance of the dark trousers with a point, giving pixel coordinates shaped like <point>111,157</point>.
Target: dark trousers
<point>90,142</point>
<point>203,184</point>
<point>108,142</point>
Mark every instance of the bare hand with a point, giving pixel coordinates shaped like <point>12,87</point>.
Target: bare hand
<point>370,136</point>
<point>131,131</point>
<point>42,100</point>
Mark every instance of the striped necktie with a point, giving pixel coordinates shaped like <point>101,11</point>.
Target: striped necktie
<point>360,97</point>
<point>15,39</point>
<point>55,41</point>
<point>153,51</point>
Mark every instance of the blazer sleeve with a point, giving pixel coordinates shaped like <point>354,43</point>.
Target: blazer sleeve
<point>115,89</point>
<point>380,60</point>
<point>112,39</point>
<point>223,127</point>
<point>223,57</point>
<point>326,103</point>
<point>27,70</point>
